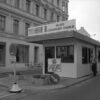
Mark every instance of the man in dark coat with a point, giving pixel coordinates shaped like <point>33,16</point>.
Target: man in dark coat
<point>94,67</point>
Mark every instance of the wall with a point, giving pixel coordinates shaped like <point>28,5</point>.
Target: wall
<point>83,69</point>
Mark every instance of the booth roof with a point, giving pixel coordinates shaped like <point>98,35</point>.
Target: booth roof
<point>61,35</point>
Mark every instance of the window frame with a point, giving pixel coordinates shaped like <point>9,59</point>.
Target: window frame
<point>45,13</point>
<point>28,5</point>
<point>27,25</point>
<point>17,3</point>
<point>37,10</point>
<point>65,51</point>
<point>15,26</point>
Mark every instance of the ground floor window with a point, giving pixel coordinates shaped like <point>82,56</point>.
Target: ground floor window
<point>99,56</point>
<point>22,53</point>
<point>66,53</point>
<point>2,53</point>
<point>87,54</point>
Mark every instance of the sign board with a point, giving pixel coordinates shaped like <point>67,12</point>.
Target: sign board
<point>54,65</point>
<point>52,28</point>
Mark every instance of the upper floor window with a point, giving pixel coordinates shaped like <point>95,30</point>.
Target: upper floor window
<point>37,10</point>
<point>15,26</point>
<point>45,13</point>
<point>17,3</point>
<point>52,1</point>
<point>52,16</point>
<point>2,22</point>
<point>28,4</point>
<point>58,3</point>
<point>27,25</point>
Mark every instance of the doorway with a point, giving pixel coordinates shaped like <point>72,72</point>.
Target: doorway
<point>2,54</point>
<point>49,53</point>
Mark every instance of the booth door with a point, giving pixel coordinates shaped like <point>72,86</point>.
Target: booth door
<point>49,53</point>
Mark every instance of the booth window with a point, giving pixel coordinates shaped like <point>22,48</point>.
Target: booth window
<point>66,53</point>
<point>22,53</point>
<point>98,56</point>
<point>86,55</point>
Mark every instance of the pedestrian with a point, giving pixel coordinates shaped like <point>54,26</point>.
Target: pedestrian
<point>94,67</point>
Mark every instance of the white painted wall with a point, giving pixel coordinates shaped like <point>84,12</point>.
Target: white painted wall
<point>82,69</point>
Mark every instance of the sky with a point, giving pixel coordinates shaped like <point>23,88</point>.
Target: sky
<point>87,15</point>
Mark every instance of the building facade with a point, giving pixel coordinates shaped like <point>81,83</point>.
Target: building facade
<point>16,16</point>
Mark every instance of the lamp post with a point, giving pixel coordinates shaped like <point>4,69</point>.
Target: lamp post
<point>15,87</point>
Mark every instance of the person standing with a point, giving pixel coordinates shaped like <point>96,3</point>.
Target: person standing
<point>94,67</point>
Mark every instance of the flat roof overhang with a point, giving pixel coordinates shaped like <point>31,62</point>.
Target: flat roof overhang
<point>61,35</point>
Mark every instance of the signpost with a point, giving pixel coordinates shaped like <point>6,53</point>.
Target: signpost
<point>12,50</point>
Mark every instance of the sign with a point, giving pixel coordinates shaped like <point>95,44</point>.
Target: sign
<point>52,28</point>
<point>54,65</point>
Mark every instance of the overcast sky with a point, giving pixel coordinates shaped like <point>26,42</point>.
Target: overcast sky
<point>87,15</point>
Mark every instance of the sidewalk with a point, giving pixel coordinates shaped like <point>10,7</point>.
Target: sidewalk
<point>26,84</point>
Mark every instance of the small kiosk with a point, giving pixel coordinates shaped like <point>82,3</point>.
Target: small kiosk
<point>70,50</point>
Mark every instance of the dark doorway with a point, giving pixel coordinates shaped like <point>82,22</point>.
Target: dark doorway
<point>49,53</point>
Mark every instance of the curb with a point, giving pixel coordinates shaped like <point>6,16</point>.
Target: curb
<point>75,83</point>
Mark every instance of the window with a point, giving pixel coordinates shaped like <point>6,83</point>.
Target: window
<point>84,55</point>
<point>45,13</point>
<point>58,18</point>
<point>87,54</point>
<point>98,56</point>
<point>66,53</point>
<point>27,25</point>
<point>58,2</point>
<point>15,26</point>
<point>2,23</point>
<point>17,3</point>
<point>52,1</point>
<point>37,10</point>
<point>28,4</point>
<point>3,1</point>
<point>22,53</point>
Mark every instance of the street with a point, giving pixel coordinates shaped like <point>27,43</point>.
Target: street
<point>87,90</point>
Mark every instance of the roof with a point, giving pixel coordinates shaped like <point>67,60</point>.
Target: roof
<point>61,35</point>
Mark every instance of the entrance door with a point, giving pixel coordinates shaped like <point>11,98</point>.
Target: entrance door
<point>36,55</point>
<point>49,53</point>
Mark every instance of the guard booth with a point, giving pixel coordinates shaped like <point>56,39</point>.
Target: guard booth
<point>70,50</point>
